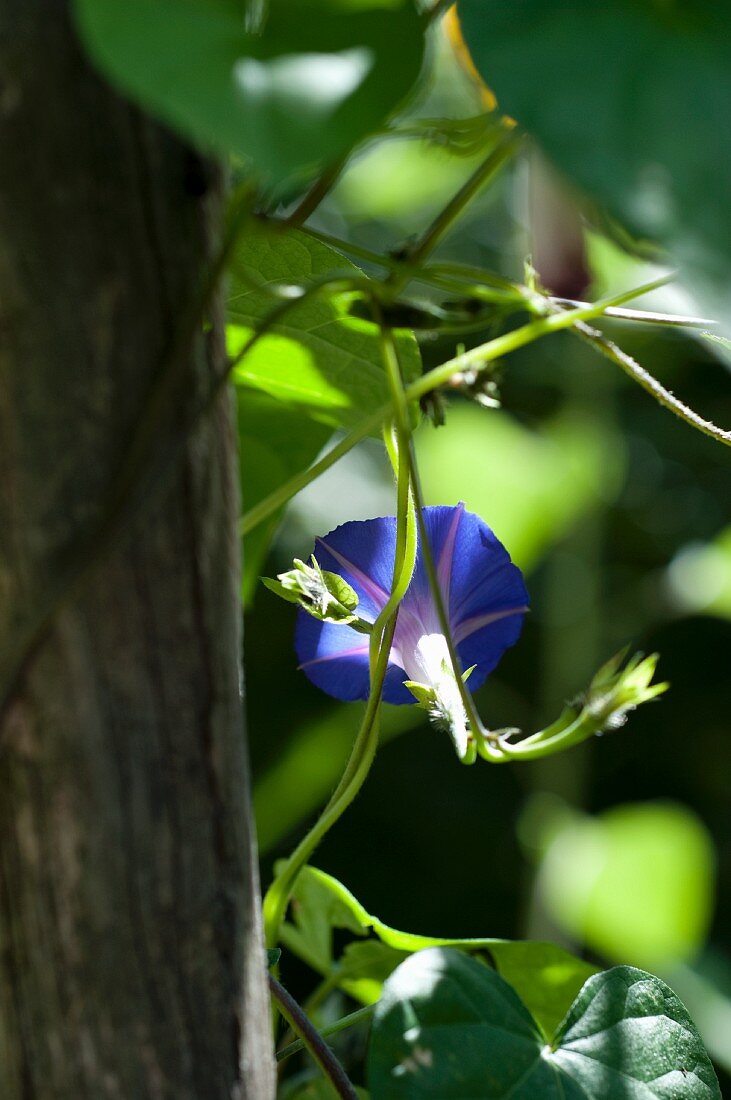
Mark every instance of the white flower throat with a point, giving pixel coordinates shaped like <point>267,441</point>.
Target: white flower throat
<point>425,659</point>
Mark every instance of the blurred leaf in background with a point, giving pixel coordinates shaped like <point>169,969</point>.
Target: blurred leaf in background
<point>290,99</point>
<point>699,577</point>
<point>531,486</point>
<point>635,883</point>
<point>630,100</point>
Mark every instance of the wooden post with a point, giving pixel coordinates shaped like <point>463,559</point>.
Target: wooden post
<point>131,963</point>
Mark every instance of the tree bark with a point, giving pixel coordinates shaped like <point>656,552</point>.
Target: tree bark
<point>131,963</point>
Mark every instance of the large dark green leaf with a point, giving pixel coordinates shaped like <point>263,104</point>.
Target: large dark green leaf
<point>317,358</point>
<point>321,75</point>
<point>631,99</point>
<point>450,1028</point>
<point>275,442</point>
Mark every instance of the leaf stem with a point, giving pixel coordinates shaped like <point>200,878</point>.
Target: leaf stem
<point>335,1028</point>
<point>446,217</point>
<point>277,896</point>
<point>320,188</point>
<point>311,1038</point>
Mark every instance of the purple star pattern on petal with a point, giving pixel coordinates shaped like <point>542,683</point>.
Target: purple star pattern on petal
<point>483,591</point>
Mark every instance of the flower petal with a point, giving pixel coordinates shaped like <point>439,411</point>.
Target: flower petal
<point>483,590</point>
<point>443,524</point>
<point>485,647</point>
<point>362,551</point>
<point>335,659</point>
<point>483,577</point>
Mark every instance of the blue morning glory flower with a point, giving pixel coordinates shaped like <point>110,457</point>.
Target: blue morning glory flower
<point>483,592</point>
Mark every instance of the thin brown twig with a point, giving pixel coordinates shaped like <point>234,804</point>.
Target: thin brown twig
<point>311,1038</point>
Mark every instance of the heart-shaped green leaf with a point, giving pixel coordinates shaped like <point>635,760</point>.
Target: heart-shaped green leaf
<point>448,1027</point>
<point>319,76</point>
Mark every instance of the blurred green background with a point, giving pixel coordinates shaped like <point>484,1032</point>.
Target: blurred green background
<point>619,515</point>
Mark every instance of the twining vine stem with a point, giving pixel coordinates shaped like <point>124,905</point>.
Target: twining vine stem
<point>493,163</point>
<point>477,358</point>
<point>649,383</point>
<point>277,896</point>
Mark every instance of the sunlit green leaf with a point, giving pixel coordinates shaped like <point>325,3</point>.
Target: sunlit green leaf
<point>450,1027</point>
<point>276,441</point>
<point>317,78</point>
<point>364,966</point>
<point>318,358</point>
<point>317,908</point>
<point>547,976</point>
<point>630,99</point>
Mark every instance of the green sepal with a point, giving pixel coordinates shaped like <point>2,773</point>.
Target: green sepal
<point>324,595</point>
<point>274,954</point>
<point>614,692</point>
<point>423,694</point>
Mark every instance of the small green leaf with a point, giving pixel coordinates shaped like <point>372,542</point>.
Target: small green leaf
<point>318,359</point>
<point>340,590</point>
<point>423,694</point>
<point>449,1027</point>
<point>318,77</point>
<point>365,965</point>
<point>280,590</point>
<point>544,976</point>
<point>319,904</point>
<point>274,954</point>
